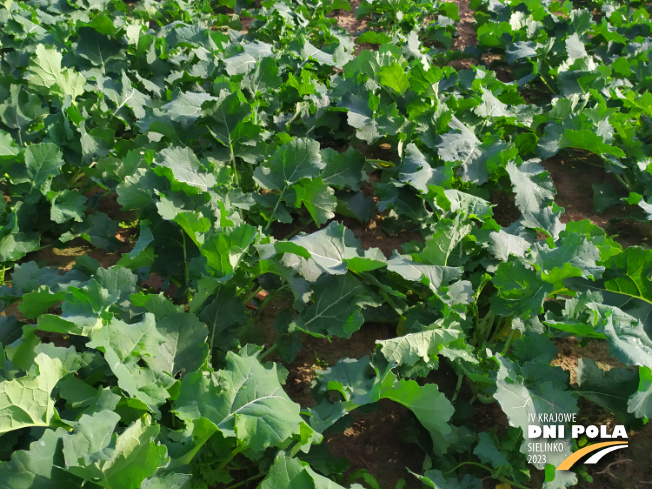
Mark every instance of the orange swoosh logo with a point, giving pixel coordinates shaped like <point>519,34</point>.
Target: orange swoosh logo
<point>571,459</point>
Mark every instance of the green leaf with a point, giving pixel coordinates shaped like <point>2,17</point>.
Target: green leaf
<point>435,479</point>
<point>628,273</point>
<point>447,235</point>
<point>170,480</point>
<point>91,435</point>
<point>532,185</point>
<point>45,72</point>
<point>225,249</point>
<point>100,230</point>
<point>337,309</point>
<point>243,400</point>
<point>460,144</point>
<point>118,280</point>
<point>289,164</point>
<point>418,172</point>
<point>491,107</point>
<point>590,141</point>
<point>124,347</point>
<point>226,116</point>
<point>343,170</point>
<point>39,301</point>
<point>119,340</point>
<point>575,47</point>
<point>7,145</point>
<point>431,407</point>
<point>521,291</point>
<point>185,348</point>
<point>435,276</point>
<point>136,455</point>
<point>523,400</point>
<point>97,48</point>
<point>38,467</point>
<point>572,251</point>
<point>417,350</point>
<point>628,340</point>
<point>291,473</point>
<point>317,197</point>
<point>264,78</point>
<point>186,107</point>
<point>641,402</point>
<point>67,205</point>
<point>224,315</point>
<point>43,161</point>
<point>609,389</point>
<point>26,401</point>
<point>332,250</point>
<point>488,453</point>
<point>183,166</point>
<point>240,64</point>
<point>22,110</point>
<point>394,77</point>
<point>502,245</point>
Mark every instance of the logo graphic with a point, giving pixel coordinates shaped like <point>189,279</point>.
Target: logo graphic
<point>603,449</point>
<point>550,438</point>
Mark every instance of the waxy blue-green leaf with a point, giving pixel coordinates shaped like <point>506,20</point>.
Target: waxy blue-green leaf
<point>488,453</point>
<point>332,250</point>
<point>317,197</point>
<point>572,252</point>
<point>351,378</point>
<point>26,401</point>
<point>67,205</point>
<point>628,339</point>
<point>184,167</point>
<point>502,245</point>
<point>81,312</point>
<point>611,389</point>
<point>337,309</point>
<point>448,234</point>
<point>38,468</point>
<point>290,163</point>
<point>291,473</point>
<point>131,352</point>
<point>225,116</point>
<point>343,170</point>
<point>429,405</point>
<point>46,73</point>
<point>7,145</point>
<point>185,348</point>
<point>435,275</point>
<point>417,351</point>
<point>521,399</point>
<point>476,157</point>
<point>418,172</point>
<point>244,400</point>
<point>641,402</point>
<point>532,185</point>
<point>97,48</point>
<point>521,290</point>
<point>240,64</point>
<point>186,107</point>
<point>136,454</point>
<point>42,161</point>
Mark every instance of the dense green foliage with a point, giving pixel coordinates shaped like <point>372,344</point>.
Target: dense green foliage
<point>211,137</point>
